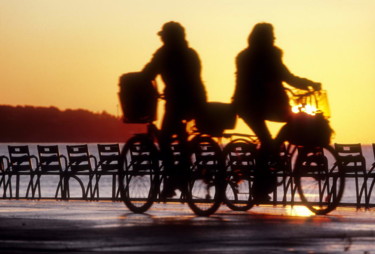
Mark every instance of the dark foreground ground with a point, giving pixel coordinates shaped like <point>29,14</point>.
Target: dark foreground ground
<point>83,227</point>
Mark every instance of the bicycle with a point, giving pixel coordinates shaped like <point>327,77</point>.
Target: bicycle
<point>143,174</point>
<point>314,171</point>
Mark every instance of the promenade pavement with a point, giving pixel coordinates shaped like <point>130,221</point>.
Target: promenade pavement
<point>50,226</point>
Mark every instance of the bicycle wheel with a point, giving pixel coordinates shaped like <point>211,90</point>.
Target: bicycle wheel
<point>238,196</point>
<point>319,178</point>
<point>138,180</point>
<point>240,162</point>
<point>204,194</point>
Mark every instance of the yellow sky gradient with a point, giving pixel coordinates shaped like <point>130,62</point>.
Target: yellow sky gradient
<point>70,53</point>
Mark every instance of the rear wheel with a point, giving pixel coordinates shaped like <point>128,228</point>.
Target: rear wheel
<point>240,165</point>
<point>139,176</point>
<point>205,185</point>
<point>319,178</point>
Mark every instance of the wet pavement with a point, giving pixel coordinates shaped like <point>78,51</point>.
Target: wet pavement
<point>83,227</point>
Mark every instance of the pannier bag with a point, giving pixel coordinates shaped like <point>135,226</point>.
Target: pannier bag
<point>216,118</point>
<point>138,98</point>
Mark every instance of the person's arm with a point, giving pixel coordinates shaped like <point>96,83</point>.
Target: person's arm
<point>298,82</point>
<point>152,69</point>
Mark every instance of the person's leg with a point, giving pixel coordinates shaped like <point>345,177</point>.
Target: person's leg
<point>260,129</point>
<point>171,125</point>
<point>165,140</point>
<point>265,182</point>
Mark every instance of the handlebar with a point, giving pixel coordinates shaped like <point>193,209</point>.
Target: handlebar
<point>309,101</point>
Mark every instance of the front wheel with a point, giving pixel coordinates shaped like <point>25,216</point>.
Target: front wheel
<point>205,185</point>
<point>319,177</point>
<point>240,161</point>
<point>139,175</point>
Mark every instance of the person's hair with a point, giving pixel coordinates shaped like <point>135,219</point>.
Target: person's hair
<point>173,33</point>
<point>261,36</point>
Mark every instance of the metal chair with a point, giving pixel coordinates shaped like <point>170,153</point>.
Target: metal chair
<point>109,164</point>
<point>371,175</point>
<point>80,163</point>
<point>354,164</point>
<point>21,163</point>
<point>51,162</point>
<point>4,167</point>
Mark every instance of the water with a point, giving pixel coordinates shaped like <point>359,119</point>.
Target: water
<point>49,183</point>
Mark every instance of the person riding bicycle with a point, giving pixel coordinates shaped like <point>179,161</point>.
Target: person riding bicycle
<point>185,95</point>
<point>259,95</point>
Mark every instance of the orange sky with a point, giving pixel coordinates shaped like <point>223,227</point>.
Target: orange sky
<point>69,53</point>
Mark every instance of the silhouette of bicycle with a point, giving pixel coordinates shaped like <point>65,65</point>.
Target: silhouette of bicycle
<point>143,174</point>
<point>313,170</point>
<point>227,175</point>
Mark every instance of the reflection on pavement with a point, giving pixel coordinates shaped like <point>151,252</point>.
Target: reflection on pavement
<point>36,226</point>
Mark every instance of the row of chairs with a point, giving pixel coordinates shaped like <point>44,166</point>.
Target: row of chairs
<point>87,170</point>
<point>79,165</point>
<point>354,163</point>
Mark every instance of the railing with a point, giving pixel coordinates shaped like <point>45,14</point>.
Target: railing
<point>23,177</point>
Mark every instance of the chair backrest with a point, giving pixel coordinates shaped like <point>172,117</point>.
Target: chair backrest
<point>351,157</point>
<point>49,158</point>
<point>140,156</point>
<point>20,159</point>
<point>177,152</point>
<point>240,155</point>
<point>79,158</point>
<point>312,159</point>
<point>208,155</point>
<point>109,157</point>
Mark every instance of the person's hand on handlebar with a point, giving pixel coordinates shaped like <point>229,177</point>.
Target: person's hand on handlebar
<point>317,86</point>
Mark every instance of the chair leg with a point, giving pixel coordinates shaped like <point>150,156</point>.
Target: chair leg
<point>357,191</point>
<point>61,188</point>
<point>114,187</point>
<point>3,184</point>
<point>84,190</point>
<point>369,191</point>
<point>30,187</point>
<point>39,188</point>
<point>66,187</point>
<point>96,187</point>
<point>36,186</point>
<point>9,185</point>
<point>17,186</point>
<point>88,189</point>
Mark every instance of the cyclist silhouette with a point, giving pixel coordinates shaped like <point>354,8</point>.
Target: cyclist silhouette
<point>185,95</point>
<point>259,94</point>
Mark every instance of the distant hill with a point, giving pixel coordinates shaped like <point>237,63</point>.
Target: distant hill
<point>26,124</point>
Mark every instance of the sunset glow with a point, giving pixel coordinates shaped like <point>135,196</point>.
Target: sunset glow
<point>309,109</point>
<point>70,53</point>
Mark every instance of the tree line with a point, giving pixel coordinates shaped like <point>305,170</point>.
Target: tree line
<point>24,124</point>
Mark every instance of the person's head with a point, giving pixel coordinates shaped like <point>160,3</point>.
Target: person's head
<point>172,33</point>
<point>262,36</point>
